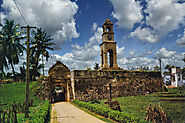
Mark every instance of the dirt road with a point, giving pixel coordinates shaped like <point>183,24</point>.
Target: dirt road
<point>64,112</point>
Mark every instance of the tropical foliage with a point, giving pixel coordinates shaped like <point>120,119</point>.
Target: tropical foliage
<point>41,43</point>
<point>11,45</point>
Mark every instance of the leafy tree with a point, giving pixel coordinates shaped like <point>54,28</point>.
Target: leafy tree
<point>156,68</point>
<point>11,46</point>
<point>96,66</point>
<point>41,43</point>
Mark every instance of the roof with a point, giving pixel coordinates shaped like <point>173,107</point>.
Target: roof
<point>58,63</point>
<point>107,21</point>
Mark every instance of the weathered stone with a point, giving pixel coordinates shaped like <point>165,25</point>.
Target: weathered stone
<point>91,85</point>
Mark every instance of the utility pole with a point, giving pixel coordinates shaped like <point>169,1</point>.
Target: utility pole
<point>110,93</point>
<point>27,70</point>
<point>160,65</point>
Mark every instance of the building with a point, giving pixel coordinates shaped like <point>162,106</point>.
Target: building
<point>176,77</point>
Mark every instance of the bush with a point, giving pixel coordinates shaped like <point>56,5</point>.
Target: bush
<point>40,116</point>
<point>106,112</point>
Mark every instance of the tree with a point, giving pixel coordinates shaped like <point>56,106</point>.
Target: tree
<point>11,46</point>
<point>96,66</point>
<point>156,68</point>
<point>41,43</point>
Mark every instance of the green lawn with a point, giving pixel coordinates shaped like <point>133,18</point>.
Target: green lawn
<point>15,92</point>
<point>137,105</point>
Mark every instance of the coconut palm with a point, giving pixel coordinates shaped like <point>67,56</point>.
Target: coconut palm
<point>41,43</point>
<point>11,46</point>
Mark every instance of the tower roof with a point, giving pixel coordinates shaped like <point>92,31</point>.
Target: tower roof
<point>107,21</point>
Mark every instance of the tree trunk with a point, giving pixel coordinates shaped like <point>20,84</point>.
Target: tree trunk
<point>13,70</point>
<point>43,63</point>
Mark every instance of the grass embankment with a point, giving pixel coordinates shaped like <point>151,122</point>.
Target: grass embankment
<point>137,105</point>
<point>15,92</point>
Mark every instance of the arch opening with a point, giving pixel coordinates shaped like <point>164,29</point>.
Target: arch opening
<point>110,59</point>
<point>108,29</point>
<point>59,93</point>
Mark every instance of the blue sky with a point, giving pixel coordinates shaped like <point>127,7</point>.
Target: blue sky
<point>145,30</point>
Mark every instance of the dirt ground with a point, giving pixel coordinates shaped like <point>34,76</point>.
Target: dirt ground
<point>64,112</point>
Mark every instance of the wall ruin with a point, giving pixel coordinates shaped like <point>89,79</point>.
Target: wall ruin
<point>89,85</point>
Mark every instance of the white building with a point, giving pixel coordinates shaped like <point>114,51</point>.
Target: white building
<point>176,77</point>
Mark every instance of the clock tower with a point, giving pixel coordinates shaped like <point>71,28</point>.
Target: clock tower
<point>108,47</point>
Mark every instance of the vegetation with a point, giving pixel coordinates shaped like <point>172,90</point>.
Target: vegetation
<point>136,106</point>
<point>11,47</point>
<point>10,93</point>
<point>109,113</point>
<point>96,66</point>
<point>41,114</point>
<point>41,43</point>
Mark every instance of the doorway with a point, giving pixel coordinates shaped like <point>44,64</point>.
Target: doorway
<point>59,93</point>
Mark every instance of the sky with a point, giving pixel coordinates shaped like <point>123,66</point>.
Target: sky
<point>145,30</point>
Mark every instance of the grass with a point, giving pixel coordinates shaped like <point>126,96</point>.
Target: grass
<point>93,114</point>
<point>137,105</point>
<point>15,92</point>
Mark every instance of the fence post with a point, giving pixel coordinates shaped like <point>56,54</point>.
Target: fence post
<point>14,114</point>
<point>0,115</point>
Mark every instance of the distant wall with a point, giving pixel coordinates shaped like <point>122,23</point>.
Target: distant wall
<point>89,85</point>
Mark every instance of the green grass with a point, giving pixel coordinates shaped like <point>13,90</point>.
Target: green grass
<point>93,114</point>
<point>15,92</point>
<point>137,105</point>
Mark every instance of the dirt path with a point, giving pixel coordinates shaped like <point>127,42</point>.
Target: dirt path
<point>64,112</point>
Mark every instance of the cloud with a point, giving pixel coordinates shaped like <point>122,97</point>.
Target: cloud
<point>127,12</point>
<point>145,34</point>
<point>132,53</point>
<point>56,16</point>
<point>156,20</point>
<point>163,53</point>
<point>94,26</point>
<point>85,56</point>
<point>163,17</point>
<point>181,39</point>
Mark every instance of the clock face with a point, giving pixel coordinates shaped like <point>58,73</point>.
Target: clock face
<point>109,37</point>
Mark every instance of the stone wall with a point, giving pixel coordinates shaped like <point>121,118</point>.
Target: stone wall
<point>89,85</point>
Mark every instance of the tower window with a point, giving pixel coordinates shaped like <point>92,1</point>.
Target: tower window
<point>108,29</point>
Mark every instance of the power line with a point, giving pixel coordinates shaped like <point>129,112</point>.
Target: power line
<point>20,12</point>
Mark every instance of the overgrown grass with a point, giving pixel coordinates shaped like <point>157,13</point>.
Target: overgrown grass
<point>15,92</point>
<point>137,105</point>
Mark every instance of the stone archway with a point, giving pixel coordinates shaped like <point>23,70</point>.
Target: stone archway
<point>59,93</point>
<point>60,78</point>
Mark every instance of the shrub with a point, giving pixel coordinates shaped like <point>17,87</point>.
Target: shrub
<point>106,112</point>
<point>41,113</point>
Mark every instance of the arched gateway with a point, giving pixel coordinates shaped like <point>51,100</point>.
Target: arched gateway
<point>60,78</point>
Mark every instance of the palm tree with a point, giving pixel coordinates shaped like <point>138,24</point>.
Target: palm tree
<point>41,43</point>
<point>11,45</point>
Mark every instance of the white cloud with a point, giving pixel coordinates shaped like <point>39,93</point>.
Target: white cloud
<point>132,53</point>
<point>181,39</point>
<point>127,12</point>
<point>85,56</point>
<point>145,34</point>
<point>56,16</point>
<point>163,53</point>
<point>163,17</point>
<point>94,26</point>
